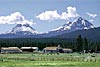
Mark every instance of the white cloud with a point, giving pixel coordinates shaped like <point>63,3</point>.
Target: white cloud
<point>14,18</point>
<point>48,15</point>
<point>52,15</point>
<point>91,15</point>
<point>64,16</point>
<point>72,12</point>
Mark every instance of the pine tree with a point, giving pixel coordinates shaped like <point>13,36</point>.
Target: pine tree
<point>85,45</point>
<point>79,43</point>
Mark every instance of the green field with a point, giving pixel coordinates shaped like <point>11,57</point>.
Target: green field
<point>20,63</point>
<point>54,60</point>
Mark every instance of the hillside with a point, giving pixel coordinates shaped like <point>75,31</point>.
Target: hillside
<point>92,34</point>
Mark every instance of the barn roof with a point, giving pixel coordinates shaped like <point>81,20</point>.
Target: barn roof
<point>67,49</point>
<point>10,48</point>
<point>50,48</point>
<point>29,47</point>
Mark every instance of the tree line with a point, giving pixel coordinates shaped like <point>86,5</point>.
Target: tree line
<point>78,45</point>
<point>88,46</point>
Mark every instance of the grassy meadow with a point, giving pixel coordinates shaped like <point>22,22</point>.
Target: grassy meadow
<point>54,60</point>
<point>21,63</point>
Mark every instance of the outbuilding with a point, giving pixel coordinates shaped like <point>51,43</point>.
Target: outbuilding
<point>50,50</point>
<point>29,49</point>
<point>53,49</point>
<point>67,50</point>
<point>10,50</point>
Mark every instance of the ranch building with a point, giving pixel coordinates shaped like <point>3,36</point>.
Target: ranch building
<point>53,49</point>
<point>29,49</point>
<point>67,50</point>
<point>50,50</point>
<point>10,50</point>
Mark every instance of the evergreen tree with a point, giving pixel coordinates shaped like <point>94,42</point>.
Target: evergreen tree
<point>85,45</point>
<point>79,43</point>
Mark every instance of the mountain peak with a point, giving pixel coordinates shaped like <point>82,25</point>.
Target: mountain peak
<point>18,25</point>
<point>80,18</point>
<point>23,29</point>
<point>77,24</point>
<point>27,25</point>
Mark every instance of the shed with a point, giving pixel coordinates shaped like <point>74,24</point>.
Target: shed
<point>67,50</point>
<point>10,50</point>
<point>29,49</point>
<point>50,50</point>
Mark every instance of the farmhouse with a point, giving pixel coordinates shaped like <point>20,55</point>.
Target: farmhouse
<point>29,49</point>
<point>57,49</point>
<point>67,50</point>
<point>53,49</point>
<point>11,50</point>
<point>50,50</point>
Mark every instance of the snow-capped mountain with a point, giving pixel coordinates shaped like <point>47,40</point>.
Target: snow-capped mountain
<point>25,29</point>
<point>78,24</point>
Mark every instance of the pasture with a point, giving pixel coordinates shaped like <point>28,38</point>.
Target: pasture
<point>51,60</point>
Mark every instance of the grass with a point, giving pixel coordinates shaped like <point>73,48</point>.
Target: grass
<point>49,60</point>
<point>72,56</point>
<point>21,63</point>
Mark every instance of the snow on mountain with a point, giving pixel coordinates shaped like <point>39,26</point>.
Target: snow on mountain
<point>23,29</point>
<point>26,29</point>
<point>78,24</point>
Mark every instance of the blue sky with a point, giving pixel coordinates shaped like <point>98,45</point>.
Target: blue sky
<point>46,14</point>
